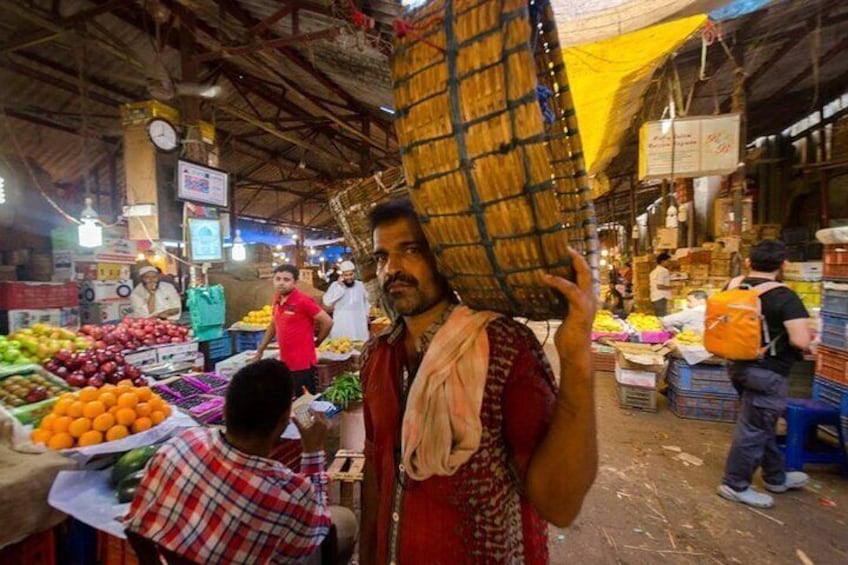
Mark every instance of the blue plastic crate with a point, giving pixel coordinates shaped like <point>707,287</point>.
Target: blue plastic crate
<point>834,301</point>
<point>828,391</point>
<point>712,379</point>
<point>218,349</point>
<point>247,341</point>
<point>834,331</point>
<point>703,406</point>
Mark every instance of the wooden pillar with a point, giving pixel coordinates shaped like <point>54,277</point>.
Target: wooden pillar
<point>114,205</point>
<point>634,241</point>
<point>824,181</point>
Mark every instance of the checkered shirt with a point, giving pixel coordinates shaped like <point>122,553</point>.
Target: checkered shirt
<point>208,502</point>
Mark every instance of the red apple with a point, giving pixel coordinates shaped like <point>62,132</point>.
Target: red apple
<point>62,372</point>
<point>96,381</point>
<point>89,368</point>
<point>63,356</point>
<point>77,380</point>
<point>108,367</point>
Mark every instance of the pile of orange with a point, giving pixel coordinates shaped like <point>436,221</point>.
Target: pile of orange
<point>91,416</point>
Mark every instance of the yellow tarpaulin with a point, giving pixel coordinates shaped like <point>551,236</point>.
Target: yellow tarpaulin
<point>608,79</point>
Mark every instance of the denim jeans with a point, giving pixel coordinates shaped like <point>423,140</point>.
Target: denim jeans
<point>763,400</point>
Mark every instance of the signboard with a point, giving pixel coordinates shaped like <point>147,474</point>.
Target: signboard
<point>205,244</point>
<point>689,147</point>
<point>202,184</point>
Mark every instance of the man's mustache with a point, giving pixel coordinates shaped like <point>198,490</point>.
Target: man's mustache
<point>399,278</point>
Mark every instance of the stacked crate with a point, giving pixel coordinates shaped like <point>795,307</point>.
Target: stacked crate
<point>831,381</point>
<point>642,267</point>
<point>701,392</point>
<point>806,280</point>
<point>23,304</point>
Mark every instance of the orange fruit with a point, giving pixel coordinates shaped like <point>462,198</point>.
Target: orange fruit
<point>47,422</point>
<point>61,440</point>
<point>156,403</point>
<point>67,396</point>
<point>166,410</point>
<point>126,383</point>
<point>117,432</point>
<point>142,425</point>
<point>125,416</point>
<point>143,409</point>
<point>91,437</point>
<point>144,393</point>
<point>61,424</point>
<point>107,388</point>
<point>40,436</point>
<point>119,390</point>
<point>62,405</point>
<point>88,394</point>
<point>108,399</point>
<point>75,409</point>
<point>93,409</point>
<point>128,400</point>
<point>157,417</point>
<point>113,410</point>
<point>79,427</point>
<point>103,422</point>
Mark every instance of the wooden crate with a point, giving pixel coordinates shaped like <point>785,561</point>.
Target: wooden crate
<point>347,469</point>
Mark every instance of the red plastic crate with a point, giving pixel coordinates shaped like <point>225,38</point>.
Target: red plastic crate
<point>832,364</point>
<point>114,551</point>
<point>835,262</point>
<point>37,295</point>
<point>37,549</point>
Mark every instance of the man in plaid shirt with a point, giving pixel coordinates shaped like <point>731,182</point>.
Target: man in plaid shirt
<point>215,497</point>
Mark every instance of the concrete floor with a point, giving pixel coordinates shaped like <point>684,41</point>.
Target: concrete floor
<point>648,507</point>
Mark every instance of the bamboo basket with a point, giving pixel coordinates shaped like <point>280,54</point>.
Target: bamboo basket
<point>491,150</point>
<point>352,205</point>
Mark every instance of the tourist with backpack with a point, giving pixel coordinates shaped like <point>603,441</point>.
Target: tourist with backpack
<point>761,327</point>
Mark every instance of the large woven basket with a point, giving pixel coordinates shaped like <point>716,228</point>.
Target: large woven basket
<point>491,150</point>
<point>351,206</point>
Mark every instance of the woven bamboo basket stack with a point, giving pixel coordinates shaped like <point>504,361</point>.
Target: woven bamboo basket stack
<point>353,203</point>
<point>491,150</point>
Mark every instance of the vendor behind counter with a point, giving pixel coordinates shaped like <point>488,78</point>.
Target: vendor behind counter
<point>154,297</point>
<point>690,319</point>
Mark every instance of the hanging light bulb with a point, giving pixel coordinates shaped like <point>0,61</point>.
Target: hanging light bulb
<point>239,252</point>
<point>90,234</point>
<point>2,190</point>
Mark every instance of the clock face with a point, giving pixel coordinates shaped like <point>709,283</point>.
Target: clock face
<point>163,134</point>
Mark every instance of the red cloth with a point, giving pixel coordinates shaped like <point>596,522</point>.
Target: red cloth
<point>210,503</point>
<point>479,514</point>
<point>294,320</point>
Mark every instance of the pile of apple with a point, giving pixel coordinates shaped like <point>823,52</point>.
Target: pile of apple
<point>94,367</point>
<point>133,333</point>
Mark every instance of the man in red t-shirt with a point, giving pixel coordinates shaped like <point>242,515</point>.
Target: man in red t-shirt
<point>294,320</point>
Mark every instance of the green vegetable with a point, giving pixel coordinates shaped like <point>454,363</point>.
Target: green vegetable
<point>128,485</point>
<point>131,462</point>
<point>345,390</point>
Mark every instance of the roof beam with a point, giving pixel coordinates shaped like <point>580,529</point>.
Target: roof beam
<point>40,120</point>
<point>238,50</point>
<point>53,80</point>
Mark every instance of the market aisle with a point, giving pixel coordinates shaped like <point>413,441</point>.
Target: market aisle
<point>648,507</point>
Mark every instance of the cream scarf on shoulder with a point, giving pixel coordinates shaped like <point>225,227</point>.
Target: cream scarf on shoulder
<point>441,426</point>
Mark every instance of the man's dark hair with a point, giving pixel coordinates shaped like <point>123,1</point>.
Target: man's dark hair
<point>768,255</point>
<point>295,272</point>
<point>258,396</point>
<point>662,257</point>
<point>390,211</point>
<point>698,295</point>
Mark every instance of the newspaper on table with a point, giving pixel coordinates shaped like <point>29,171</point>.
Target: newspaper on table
<point>694,354</point>
<point>89,497</point>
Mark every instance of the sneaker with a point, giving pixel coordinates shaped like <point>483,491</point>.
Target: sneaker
<point>794,479</point>
<point>748,496</point>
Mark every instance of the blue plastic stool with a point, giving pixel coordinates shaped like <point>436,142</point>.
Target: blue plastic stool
<point>803,417</point>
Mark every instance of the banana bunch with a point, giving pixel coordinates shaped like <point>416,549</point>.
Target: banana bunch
<point>644,322</point>
<point>689,337</point>
<point>342,346</point>
<point>260,317</point>
<point>605,323</point>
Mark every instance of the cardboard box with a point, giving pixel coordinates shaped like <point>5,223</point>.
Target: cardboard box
<point>14,320</point>
<point>228,367</point>
<point>37,295</point>
<point>116,248</point>
<point>102,271</point>
<point>91,292</point>
<point>666,238</point>
<point>105,312</point>
<point>142,357</point>
<point>811,271</point>
<point>639,364</point>
<point>8,273</point>
<point>177,352</point>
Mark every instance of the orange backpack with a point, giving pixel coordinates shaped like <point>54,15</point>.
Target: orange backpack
<point>734,325</point>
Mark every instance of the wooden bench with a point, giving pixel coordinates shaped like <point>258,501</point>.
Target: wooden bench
<point>346,469</point>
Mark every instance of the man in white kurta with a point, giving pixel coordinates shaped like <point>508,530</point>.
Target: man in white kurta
<point>349,301</point>
<point>154,298</point>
